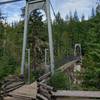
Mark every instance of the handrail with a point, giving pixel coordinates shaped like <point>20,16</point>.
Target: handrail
<point>80,94</point>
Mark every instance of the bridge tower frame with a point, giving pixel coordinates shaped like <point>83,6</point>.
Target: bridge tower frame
<point>75,49</point>
<point>31,5</point>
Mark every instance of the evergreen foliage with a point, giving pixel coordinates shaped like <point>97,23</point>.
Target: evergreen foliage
<point>66,33</point>
<point>60,81</point>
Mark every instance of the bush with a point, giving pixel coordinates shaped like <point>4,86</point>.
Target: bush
<point>7,66</point>
<point>59,81</point>
<point>38,73</point>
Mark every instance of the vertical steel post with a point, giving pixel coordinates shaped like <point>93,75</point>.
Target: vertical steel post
<point>46,50</point>
<point>28,51</point>
<point>50,36</point>
<point>24,39</point>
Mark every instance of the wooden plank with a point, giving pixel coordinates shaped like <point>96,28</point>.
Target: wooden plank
<point>45,86</point>
<point>44,92</point>
<point>26,91</point>
<point>84,94</point>
<point>45,76</point>
<point>62,68</point>
<point>15,98</point>
<point>66,98</point>
<point>41,97</point>
<point>9,98</point>
<point>67,65</point>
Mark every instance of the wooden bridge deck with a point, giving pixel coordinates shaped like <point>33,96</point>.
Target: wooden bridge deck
<point>29,92</point>
<point>26,92</point>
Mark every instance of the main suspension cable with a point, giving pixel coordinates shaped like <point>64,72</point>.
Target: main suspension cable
<point>10,1</point>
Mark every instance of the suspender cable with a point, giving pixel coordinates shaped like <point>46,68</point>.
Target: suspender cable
<point>52,8</point>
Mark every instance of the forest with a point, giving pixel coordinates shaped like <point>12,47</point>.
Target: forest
<point>66,33</point>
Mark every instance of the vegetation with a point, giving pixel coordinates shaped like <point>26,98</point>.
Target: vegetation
<point>66,33</point>
<point>59,81</point>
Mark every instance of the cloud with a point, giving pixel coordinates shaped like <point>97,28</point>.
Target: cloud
<point>82,6</point>
<point>63,6</point>
<point>15,17</point>
<point>12,10</point>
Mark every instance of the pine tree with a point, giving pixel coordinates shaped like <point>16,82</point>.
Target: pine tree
<point>59,20</point>
<point>98,8</point>
<point>76,18</point>
<point>36,38</point>
<point>71,16</point>
<point>93,13</point>
<point>67,18</point>
<point>83,18</point>
<point>1,16</point>
<point>1,34</point>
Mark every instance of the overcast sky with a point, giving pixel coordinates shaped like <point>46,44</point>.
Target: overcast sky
<point>12,11</point>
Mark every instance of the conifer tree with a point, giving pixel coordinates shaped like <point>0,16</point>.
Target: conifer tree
<point>83,18</point>
<point>93,13</point>
<point>76,18</point>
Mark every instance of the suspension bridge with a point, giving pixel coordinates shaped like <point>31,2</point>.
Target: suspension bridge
<point>16,89</point>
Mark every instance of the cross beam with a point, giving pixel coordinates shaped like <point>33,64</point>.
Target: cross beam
<point>36,1</point>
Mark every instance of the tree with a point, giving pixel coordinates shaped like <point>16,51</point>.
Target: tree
<point>83,18</point>
<point>60,81</point>
<point>98,9</point>
<point>1,15</point>
<point>1,34</point>
<point>93,13</point>
<point>70,16</point>
<point>37,38</point>
<point>58,19</point>
<point>91,72</point>
<point>7,61</point>
<point>58,35</point>
<point>91,65</point>
<point>67,18</point>
<point>76,16</point>
<point>7,66</point>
